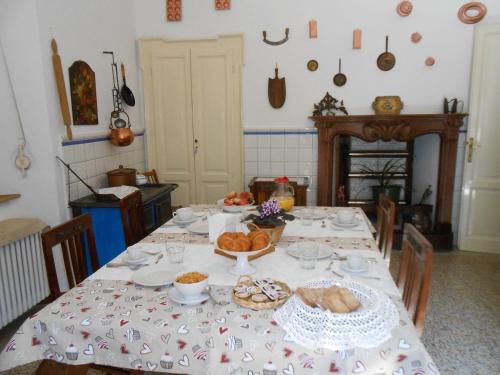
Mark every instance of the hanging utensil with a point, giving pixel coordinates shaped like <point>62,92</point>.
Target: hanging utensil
<point>126,94</point>
<point>340,79</point>
<point>386,60</point>
<point>61,88</point>
<point>276,90</point>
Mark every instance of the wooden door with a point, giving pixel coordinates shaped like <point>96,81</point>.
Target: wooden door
<point>480,209</point>
<point>168,114</point>
<point>216,119</point>
<point>192,92</point>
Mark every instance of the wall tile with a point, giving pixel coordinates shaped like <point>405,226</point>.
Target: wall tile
<point>277,169</point>
<point>264,141</point>
<point>80,169</point>
<point>291,169</point>
<point>250,154</point>
<point>305,155</point>
<point>278,140</point>
<point>79,153</point>
<point>251,168</point>
<point>100,166</point>
<point>305,168</point>
<point>305,140</point>
<point>264,168</point>
<point>250,140</point>
<point>291,154</point>
<point>315,140</point>
<point>263,154</point>
<point>68,154</point>
<point>278,154</point>
<point>90,166</point>
<point>88,150</point>
<point>291,140</point>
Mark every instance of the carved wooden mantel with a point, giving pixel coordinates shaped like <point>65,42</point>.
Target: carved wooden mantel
<point>388,127</point>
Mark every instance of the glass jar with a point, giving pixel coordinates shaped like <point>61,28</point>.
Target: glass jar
<point>284,193</point>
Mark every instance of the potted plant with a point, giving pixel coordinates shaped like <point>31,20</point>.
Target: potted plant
<point>384,177</point>
<point>271,219</point>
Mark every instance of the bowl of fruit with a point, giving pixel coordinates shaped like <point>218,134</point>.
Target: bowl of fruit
<point>236,202</point>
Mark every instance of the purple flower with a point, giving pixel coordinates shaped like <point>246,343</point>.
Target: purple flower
<point>269,208</point>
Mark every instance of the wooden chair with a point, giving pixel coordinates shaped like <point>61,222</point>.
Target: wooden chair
<point>386,216</point>
<point>70,236</point>
<point>414,276</point>
<point>132,212</point>
<point>152,176</point>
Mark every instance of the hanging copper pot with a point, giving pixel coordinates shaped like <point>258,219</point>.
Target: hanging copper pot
<point>121,134</point>
<point>386,60</point>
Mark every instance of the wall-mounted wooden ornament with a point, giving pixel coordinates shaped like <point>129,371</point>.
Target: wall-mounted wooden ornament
<point>83,94</point>
<point>276,90</point>
<point>174,10</point>
<point>313,29</point>
<point>222,4</point>
<point>356,39</point>
<point>472,12</point>
<point>416,37</point>
<point>278,42</point>
<point>430,61</point>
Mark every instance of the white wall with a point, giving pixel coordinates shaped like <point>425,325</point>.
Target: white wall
<point>421,88</point>
<point>83,29</point>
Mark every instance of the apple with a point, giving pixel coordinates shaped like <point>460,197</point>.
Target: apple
<point>243,202</point>
<point>244,195</point>
<point>237,201</point>
<point>231,195</point>
<point>228,202</point>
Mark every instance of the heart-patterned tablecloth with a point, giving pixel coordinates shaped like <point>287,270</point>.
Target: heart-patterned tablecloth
<point>118,323</point>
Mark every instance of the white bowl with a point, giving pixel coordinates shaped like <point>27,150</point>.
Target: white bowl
<point>191,291</point>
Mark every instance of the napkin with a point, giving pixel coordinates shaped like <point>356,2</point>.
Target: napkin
<point>220,223</point>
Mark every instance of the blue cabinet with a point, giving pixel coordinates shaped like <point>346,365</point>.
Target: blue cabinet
<point>107,223</point>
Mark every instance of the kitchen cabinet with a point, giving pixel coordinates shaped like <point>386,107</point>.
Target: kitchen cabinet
<point>106,218</point>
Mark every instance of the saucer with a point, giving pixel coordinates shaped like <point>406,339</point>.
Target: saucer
<point>155,275</point>
<point>345,267</point>
<point>175,296</point>
<point>184,222</point>
<point>134,262</point>
<point>199,227</point>
<point>354,224</point>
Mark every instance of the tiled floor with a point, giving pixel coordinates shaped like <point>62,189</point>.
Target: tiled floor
<point>462,329</point>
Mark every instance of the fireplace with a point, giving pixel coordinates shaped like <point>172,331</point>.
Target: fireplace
<point>371,128</point>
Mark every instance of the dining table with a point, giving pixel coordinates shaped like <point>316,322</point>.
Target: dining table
<point>109,319</point>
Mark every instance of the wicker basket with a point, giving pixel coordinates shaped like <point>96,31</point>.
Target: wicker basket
<point>274,233</point>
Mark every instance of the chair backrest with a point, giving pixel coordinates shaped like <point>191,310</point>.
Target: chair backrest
<point>70,236</point>
<point>386,216</point>
<point>414,276</point>
<point>152,176</point>
<point>132,213</point>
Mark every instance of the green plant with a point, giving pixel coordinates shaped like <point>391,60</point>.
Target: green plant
<point>389,170</point>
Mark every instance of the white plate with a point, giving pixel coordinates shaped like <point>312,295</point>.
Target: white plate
<point>345,267</point>
<point>155,275</point>
<point>175,296</point>
<point>232,209</point>
<point>134,262</point>
<point>354,224</point>
<point>184,222</point>
<point>324,250</point>
<point>316,214</point>
<point>150,249</point>
<point>200,227</point>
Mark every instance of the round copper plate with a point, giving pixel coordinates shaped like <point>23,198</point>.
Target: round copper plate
<point>312,65</point>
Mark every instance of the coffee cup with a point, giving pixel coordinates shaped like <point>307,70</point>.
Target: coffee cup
<point>355,261</point>
<point>184,214</point>
<point>346,216</point>
<point>134,252</point>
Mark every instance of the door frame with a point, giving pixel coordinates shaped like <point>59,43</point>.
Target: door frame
<point>145,49</point>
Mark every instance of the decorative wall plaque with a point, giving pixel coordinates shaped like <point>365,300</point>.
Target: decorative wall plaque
<point>83,94</point>
<point>222,4</point>
<point>313,29</point>
<point>174,10</point>
<point>329,105</point>
<point>356,39</point>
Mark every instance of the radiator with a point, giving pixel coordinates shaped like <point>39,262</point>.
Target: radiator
<point>23,278</point>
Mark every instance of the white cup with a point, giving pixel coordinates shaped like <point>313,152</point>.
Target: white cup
<point>355,261</point>
<point>184,214</point>
<point>346,216</point>
<point>134,252</point>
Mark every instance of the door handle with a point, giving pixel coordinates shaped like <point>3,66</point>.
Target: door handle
<point>195,146</point>
<point>470,149</point>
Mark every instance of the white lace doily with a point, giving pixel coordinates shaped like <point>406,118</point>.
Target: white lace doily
<point>367,327</point>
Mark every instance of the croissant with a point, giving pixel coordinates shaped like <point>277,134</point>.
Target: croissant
<point>259,239</point>
<point>234,242</point>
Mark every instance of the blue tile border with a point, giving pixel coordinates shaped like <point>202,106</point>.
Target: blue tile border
<point>94,140</point>
<point>280,132</point>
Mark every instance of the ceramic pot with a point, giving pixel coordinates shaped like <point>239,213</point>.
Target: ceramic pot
<point>387,105</point>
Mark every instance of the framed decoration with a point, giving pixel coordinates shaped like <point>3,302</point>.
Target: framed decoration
<point>174,10</point>
<point>222,4</point>
<point>83,94</point>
